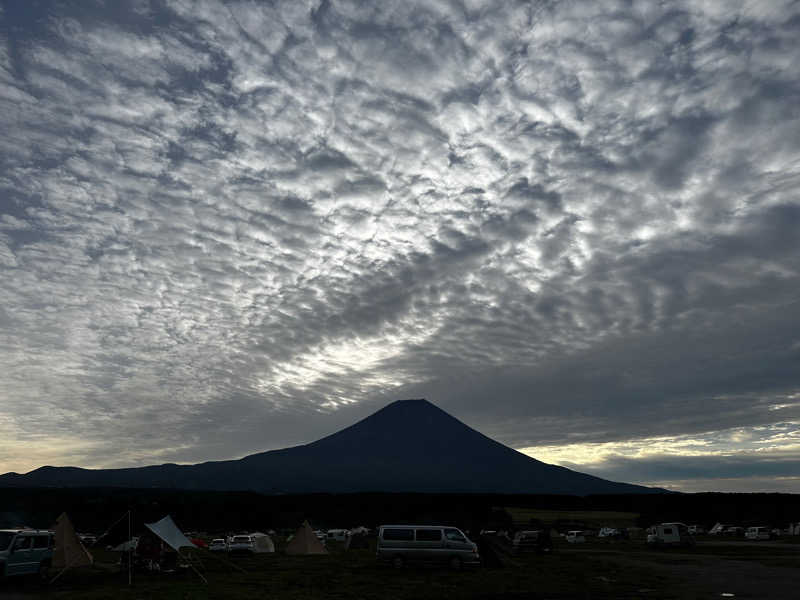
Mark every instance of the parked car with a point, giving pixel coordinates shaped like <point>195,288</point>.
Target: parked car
<point>670,534</point>
<point>402,544</point>
<point>218,545</point>
<point>25,552</point>
<point>696,529</point>
<point>575,537</point>
<point>337,535</point>
<point>242,543</point>
<point>757,533</point>
<point>532,541</point>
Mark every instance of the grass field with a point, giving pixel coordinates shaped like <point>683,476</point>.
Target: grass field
<point>592,570</point>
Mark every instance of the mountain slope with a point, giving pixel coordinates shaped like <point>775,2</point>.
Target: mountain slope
<point>408,446</point>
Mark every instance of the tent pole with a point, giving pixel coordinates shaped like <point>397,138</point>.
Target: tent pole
<point>130,548</point>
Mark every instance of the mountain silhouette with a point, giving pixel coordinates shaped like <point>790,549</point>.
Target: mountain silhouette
<point>407,446</point>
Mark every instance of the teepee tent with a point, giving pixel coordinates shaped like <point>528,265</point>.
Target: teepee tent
<point>69,551</point>
<point>305,542</point>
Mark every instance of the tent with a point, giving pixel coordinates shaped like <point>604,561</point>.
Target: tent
<point>169,533</point>
<point>126,546</point>
<point>69,552</point>
<point>305,542</point>
<point>262,543</point>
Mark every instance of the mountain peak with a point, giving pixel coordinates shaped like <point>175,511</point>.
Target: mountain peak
<point>408,445</point>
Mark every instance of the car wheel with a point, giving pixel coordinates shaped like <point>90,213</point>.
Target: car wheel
<point>455,563</point>
<point>397,562</point>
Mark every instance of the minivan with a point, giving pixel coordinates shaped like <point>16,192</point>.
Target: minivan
<point>402,544</point>
<point>25,552</point>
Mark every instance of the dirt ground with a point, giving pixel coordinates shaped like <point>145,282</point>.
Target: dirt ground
<point>622,570</point>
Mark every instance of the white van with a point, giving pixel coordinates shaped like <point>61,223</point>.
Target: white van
<point>402,544</point>
<point>337,535</point>
<point>670,534</point>
<point>757,533</point>
<point>575,537</point>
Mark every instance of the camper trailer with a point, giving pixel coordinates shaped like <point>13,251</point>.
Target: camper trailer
<point>670,534</point>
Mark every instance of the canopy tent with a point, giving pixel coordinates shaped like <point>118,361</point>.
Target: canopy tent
<point>262,543</point>
<point>305,542</point>
<point>69,551</point>
<point>167,531</point>
<point>128,546</point>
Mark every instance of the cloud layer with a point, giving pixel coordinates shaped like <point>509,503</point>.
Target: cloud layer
<point>227,227</point>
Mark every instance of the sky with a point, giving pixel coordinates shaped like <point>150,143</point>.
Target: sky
<point>229,227</point>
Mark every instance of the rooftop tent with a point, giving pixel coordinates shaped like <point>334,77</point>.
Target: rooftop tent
<point>69,551</point>
<point>167,531</point>
<point>262,543</point>
<point>305,542</point>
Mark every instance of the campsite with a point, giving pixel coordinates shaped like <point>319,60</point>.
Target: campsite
<point>594,571</point>
<point>309,563</point>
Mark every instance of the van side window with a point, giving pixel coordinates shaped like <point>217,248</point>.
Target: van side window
<point>40,541</point>
<point>667,530</point>
<point>429,535</point>
<point>398,535</point>
<point>454,535</point>
<point>22,543</point>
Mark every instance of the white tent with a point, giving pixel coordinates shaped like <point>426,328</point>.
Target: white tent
<point>305,541</point>
<point>170,534</point>
<point>262,543</point>
<point>69,551</point>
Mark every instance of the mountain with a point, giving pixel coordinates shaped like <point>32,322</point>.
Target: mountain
<point>407,446</point>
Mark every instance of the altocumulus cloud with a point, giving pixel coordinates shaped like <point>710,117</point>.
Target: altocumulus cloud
<point>228,227</point>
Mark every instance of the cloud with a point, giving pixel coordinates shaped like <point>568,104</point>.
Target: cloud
<point>250,224</point>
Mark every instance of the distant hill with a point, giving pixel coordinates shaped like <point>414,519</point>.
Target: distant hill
<point>408,446</point>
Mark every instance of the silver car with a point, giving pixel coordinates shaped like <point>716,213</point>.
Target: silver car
<point>25,552</point>
<point>402,544</point>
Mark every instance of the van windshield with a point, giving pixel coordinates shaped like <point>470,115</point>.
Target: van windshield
<point>5,539</point>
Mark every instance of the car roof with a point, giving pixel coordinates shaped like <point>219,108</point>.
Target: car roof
<point>42,531</point>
